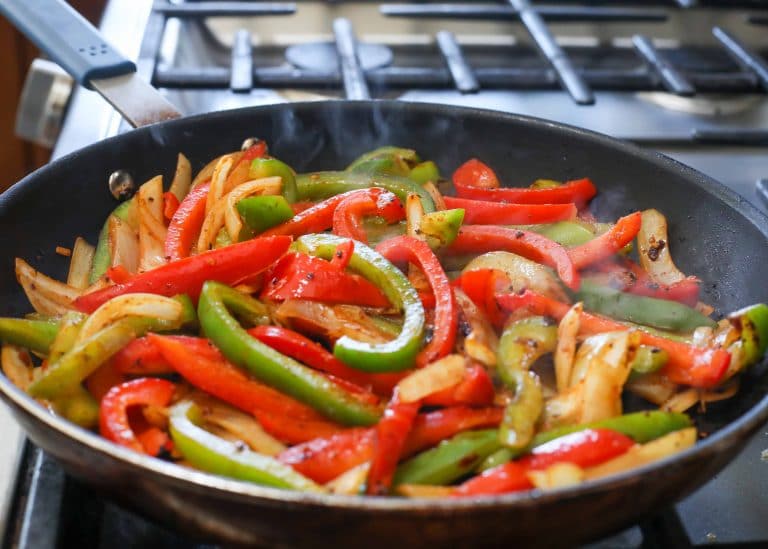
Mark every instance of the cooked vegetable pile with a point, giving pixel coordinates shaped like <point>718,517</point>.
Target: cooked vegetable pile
<point>360,332</point>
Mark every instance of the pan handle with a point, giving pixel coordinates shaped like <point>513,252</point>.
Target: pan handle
<point>65,36</point>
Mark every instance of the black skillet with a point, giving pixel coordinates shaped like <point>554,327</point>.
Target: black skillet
<point>715,235</point>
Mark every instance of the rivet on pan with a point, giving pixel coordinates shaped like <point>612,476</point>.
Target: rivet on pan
<point>248,143</point>
<point>121,185</point>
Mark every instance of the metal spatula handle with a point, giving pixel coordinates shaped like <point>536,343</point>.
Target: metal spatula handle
<point>67,38</point>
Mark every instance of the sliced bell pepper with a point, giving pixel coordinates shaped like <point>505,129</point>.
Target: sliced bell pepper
<point>752,323</point>
<point>347,218</point>
<point>101,256</point>
<point>343,254</point>
<point>231,265</point>
<point>398,354</point>
<point>608,243</point>
<point>521,344</point>
<point>296,430</point>
<point>482,212</point>
<point>424,172</point>
<point>577,192</point>
<point>481,286</point>
<point>315,355</point>
<point>300,276</point>
<point>170,205</point>
<point>102,380</point>
<point>385,160</point>
<point>701,367</point>
<point>269,167</point>
<point>408,249</point>
<point>448,461</point>
<point>275,369</point>
<point>240,172</point>
<point>584,448</point>
<point>441,228</point>
<point>565,233</point>
<point>487,238</point>
<point>203,366</point>
<point>113,422</point>
<point>216,455</point>
<point>388,443</point>
<point>186,223</point>
<point>319,185</point>
<point>35,335</point>
<point>263,212</point>
<point>474,173</point>
<point>660,313</point>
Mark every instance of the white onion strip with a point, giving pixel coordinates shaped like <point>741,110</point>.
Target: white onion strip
<point>441,374</point>
<point>131,305</point>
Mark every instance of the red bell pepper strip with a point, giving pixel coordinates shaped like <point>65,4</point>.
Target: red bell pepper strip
<point>408,249</point>
<point>113,413</point>
<point>301,276</point>
<point>231,265</point>
<point>585,448</point>
<point>607,244</point>
<point>154,440</point>
<point>476,389</point>
<point>391,434</point>
<point>474,173</point>
<point>578,192</point>
<point>186,223</point>
<point>487,238</point>
<point>203,366</point>
<point>628,276</point>
<point>100,382</point>
<point>701,367</point>
<point>481,286</point>
<point>324,459</point>
<point>347,218</point>
<point>141,357</point>
<point>482,212</point>
<point>292,430</point>
<point>315,355</point>
<point>170,205</point>
<point>319,217</point>
<point>118,274</point>
<point>343,254</point>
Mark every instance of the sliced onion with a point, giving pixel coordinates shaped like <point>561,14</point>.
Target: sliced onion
<point>80,264</point>
<point>152,229</point>
<point>437,196</point>
<point>655,388</point>
<point>441,374</point>
<point>414,211</point>
<point>350,482</point>
<point>423,491</point>
<point>643,454</point>
<point>131,305</point>
<point>47,296</point>
<point>522,272</point>
<point>17,366</point>
<point>258,187</point>
<point>566,346</point>
<point>558,475</point>
<point>481,342</point>
<point>330,322</point>
<point>207,172</point>
<point>218,181</point>
<point>182,178</point>
<point>653,243</point>
<point>123,244</point>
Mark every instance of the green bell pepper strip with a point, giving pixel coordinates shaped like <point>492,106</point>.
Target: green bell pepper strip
<point>270,167</point>
<point>69,329</point>
<point>522,343</point>
<point>222,239</point>
<point>188,313</point>
<point>659,313</point>
<point>424,172</point>
<point>221,457</point>
<point>386,160</point>
<point>647,359</point>
<point>642,427</point>
<point>391,356</point>
<point>752,322</point>
<point>83,359</point>
<point>101,256</point>
<point>545,184</point>
<point>449,460</point>
<point>259,213</point>
<point>35,335</point>
<point>565,233</point>
<point>441,228</point>
<point>275,369</point>
<point>321,185</point>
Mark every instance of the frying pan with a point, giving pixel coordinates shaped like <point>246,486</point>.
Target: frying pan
<point>715,234</point>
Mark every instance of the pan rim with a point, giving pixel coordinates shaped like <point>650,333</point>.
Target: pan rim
<point>725,437</point>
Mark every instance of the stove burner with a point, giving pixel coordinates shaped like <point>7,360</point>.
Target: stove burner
<point>704,105</point>
<point>322,56</point>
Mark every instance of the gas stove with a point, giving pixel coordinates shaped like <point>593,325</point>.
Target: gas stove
<point>684,77</point>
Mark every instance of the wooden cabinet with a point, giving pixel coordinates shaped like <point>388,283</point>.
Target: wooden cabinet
<point>17,157</point>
